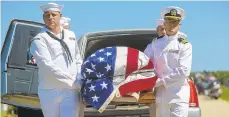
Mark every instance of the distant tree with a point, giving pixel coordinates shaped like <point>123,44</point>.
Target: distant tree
<point>222,76</point>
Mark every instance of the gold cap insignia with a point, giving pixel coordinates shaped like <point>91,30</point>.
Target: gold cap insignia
<point>173,12</point>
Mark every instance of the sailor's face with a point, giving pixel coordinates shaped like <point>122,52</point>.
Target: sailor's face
<point>161,30</point>
<point>171,26</point>
<point>52,19</point>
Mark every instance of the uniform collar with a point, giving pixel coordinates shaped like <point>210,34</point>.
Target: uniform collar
<point>170,38</point>
<point>44,29</point>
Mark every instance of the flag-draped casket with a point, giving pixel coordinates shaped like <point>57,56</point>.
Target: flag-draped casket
<point>113,72</point>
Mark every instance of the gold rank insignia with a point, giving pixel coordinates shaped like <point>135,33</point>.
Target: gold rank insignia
<point>156,38</point>
<point>182,40</point>
<point>173,12</point>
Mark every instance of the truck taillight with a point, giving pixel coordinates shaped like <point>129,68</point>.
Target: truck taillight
<point>193,101</point>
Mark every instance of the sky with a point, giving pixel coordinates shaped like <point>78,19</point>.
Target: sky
<point>206,23</point>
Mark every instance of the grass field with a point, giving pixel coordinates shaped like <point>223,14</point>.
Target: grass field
<point>225,95</point>
<point>6,113</point>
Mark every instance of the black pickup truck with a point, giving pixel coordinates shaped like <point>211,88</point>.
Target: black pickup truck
<point>19,81</point>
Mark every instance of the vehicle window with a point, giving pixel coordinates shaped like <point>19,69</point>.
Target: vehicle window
<point>30,59</point>
<point>20,55</point>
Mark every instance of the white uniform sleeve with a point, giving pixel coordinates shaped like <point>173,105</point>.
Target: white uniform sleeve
<point>40,52</point>
<point>149,51</point>
<point>78,57</point>
<point>79,61</point>
<point>184,68</point>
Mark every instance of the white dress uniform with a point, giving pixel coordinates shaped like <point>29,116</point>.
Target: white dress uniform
<point>65,21</point>
<point>59,80</point>
<point>172,56</point>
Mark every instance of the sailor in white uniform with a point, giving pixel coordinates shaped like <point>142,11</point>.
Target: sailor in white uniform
<point>160,28</point>
<point>57,56</point>
<point>65,23</point>
<point>172,56</point>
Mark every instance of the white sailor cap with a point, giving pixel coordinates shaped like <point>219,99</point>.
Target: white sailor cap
<point>65,21</point>
<point>51,7</point>
<point>160,22</point>
<point>173,12</point>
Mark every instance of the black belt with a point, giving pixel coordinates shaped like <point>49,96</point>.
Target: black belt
<point>63,44</point>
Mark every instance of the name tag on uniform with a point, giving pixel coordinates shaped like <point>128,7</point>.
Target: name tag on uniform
<point>173,51</point>
<point>72,38</point>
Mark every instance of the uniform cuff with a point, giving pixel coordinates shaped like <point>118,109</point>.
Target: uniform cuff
<point>159,82</point>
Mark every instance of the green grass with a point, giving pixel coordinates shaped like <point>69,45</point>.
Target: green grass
<point>5,114</point>
<point>225,95</point>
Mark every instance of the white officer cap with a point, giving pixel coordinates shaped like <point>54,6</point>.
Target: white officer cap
<point>65,21</point>
<point>160,22</point>
<point>51,7</point>
<point>173,12</point>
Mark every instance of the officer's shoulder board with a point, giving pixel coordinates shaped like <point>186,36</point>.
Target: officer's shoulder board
<point>156,38</point>
<point>182,40</point>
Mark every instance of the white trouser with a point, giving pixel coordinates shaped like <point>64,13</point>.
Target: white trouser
<point>60,102</point>
<point>169,110</point>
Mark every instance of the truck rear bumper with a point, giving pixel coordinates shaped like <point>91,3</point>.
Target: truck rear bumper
<point>122,111</point>
<point>21,101</point>
<point>194,112</point>
<point>115,111</point>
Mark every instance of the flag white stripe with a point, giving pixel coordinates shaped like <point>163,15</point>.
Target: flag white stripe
<point>120,65</point>
<point>143,60</point>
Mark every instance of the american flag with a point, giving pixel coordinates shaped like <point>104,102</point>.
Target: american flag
<point>115,71</point>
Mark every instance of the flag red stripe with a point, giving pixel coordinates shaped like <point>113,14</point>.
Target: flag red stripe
<point>149,66</point>
<point>132,61</point>
<point>137,85</point>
